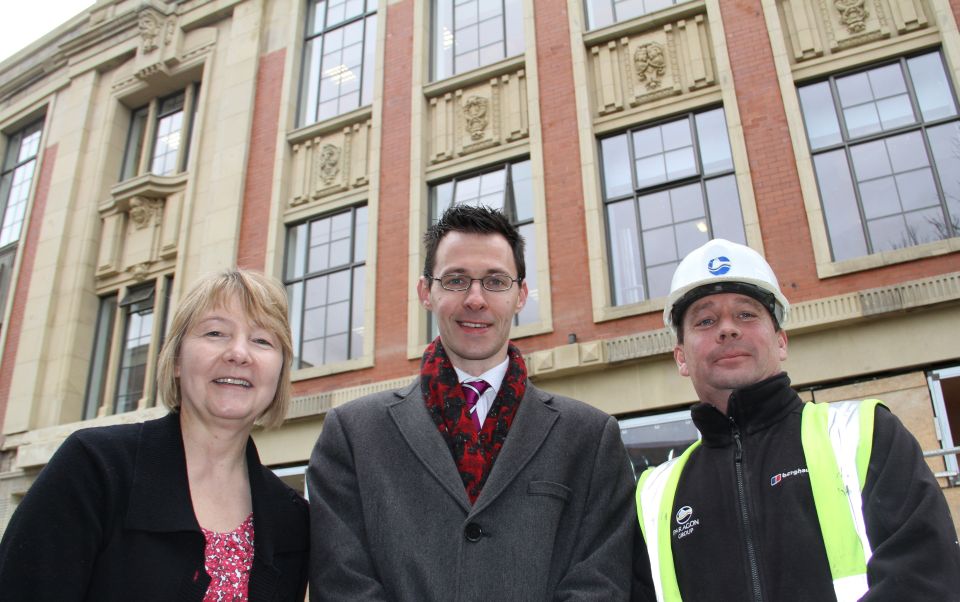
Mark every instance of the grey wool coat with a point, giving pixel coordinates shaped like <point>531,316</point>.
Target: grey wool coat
<point>390,518</point>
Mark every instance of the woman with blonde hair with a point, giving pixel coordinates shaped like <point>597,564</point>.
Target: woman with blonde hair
<point>178,508</point>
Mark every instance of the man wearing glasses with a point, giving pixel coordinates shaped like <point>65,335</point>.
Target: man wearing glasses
<point>470,483</point>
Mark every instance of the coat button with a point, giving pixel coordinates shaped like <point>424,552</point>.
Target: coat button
<point>473,532</point>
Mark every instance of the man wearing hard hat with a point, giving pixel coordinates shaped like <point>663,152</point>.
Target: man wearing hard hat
<point>780,499</point>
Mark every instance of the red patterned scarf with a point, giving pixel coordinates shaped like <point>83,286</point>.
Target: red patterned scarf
<point>474,453</point>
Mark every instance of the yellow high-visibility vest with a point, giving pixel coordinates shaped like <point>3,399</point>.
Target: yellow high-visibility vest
<point>837,477</point>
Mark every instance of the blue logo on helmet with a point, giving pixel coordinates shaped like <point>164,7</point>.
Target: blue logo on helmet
<point>718,266</point>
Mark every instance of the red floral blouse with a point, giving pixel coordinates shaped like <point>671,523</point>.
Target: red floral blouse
<point>228,558</point>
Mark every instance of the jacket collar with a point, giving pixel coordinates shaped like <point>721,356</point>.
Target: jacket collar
<point>535,418</point>
<point>750,409</point>
<point>160,492</point>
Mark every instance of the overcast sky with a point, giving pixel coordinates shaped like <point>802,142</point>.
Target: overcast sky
<point>25,21</point>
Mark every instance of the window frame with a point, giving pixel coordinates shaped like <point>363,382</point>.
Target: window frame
<point>587,4</point>
<point>846,143</point>
<point>636,193</point>
<point>101,394</point>
<point>449,71</point>
<point>10,166</point>
<point>145,148</point>
<point>307,116</point>
<point>297,323</point>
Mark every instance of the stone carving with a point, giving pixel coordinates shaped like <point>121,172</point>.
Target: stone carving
<point>145,210</point>
<point>150,27</point>
<point>139,271</point>
<point>853,14</point>
<point>475,116</point>
<point>650,64</point>
<point>329,163</point>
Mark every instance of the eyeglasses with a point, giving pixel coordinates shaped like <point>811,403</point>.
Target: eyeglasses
<point>496,283</point>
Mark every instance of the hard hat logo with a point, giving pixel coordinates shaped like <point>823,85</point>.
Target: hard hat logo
<point>718,266</point>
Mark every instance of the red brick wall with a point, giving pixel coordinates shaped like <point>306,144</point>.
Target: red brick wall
<point>28,250</point>
<point>258,180</point>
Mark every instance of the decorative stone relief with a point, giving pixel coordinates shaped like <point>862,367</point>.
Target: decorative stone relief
<point>475,116</point>
<point>650,64</point>
<point>154,30</point>
<point>329,160</point>
<point>139,271</point>
<point>831,27</point>
<point>853,14</point>
<point>145,211</point>
<point>479,115</point>
<point>330,163</point>
<point>139,228</point>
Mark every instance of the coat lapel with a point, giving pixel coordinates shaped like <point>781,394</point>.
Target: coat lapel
<point>160,494</point>
<point>412,419</point>
<point>534,420</point>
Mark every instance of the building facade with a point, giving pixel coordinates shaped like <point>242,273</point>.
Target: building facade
<point>147,142</point>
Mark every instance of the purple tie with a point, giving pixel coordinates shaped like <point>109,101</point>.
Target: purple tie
<point>471,393</point>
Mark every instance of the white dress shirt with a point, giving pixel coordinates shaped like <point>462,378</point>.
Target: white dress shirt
<point>494,377</point>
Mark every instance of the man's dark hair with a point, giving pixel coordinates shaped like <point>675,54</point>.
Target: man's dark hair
<point>472,220</point>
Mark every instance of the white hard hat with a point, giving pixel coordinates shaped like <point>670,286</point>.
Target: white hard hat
<point>721,266</point>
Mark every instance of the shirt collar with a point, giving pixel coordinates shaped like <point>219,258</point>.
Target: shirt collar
<point>493,376</point>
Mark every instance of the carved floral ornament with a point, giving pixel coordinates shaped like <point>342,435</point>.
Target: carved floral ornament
<point>475,116</point>
<point>650,65</point>
<point>853,14</point>
<point>329,163</point>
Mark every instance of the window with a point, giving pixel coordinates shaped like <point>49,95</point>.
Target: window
<point>338,58</point>
<point>121,367</point>
<point>324,274</point>
<point>667,189</point>
<point>472,33</point>
<point>19,165</point>
<point>886,152</point>
<point>601,13</point>
<point>158,139</point>
<point>652,440</point>
<point>509,189</point>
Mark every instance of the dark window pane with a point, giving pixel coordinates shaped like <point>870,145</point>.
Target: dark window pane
<point>932,86</point>
<point>531,311</point>
<point>725,215</point>
<point>625,253</point>
<point>945,142</point>
<point>522,190</point>
<point>99,360</point>
<point>819,115</point>
<point>357,318</point>
<point>871,160</point>
<point>840,205</point>
<point>714,144</point>
<point>616,166</point>
<point>655,210</point>
<point>880,197</point>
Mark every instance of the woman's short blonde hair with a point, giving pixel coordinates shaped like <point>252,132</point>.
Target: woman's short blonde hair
<point>263,300</point>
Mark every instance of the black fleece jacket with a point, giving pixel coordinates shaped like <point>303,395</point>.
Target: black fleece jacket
<point>754,534</point>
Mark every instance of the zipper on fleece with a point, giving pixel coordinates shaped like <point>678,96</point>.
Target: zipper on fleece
<point>744,514</point>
